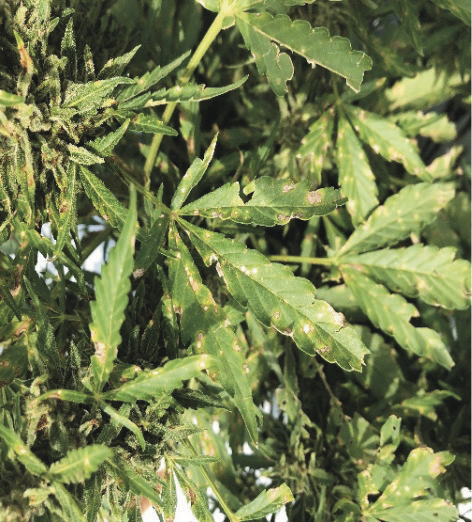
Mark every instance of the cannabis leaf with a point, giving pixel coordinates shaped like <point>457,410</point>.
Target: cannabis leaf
<point>80,464</point>
<point>263,33</point>
<point>279,299</point>
<point>111,292</point>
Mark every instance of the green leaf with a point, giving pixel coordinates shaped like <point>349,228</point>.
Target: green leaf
<point>402,214</point>
<point>150,124</point>
<point>390,433</point>
<point>70,509</point>
<point>203,322</point>
<point>68,208</point>
<point>400,500</point>
<point>23,453</point>
<point>148,80</point>
<point>273,202</point>
<point>89,96</point>
<point>392,313</point>
<point>106,204</point>
<point>80,464</point>
<point>420,271</point>
<point>69,50</point>
<point>82,156</point>
<point>355,175</point>
<point>193,175</point>
<point>134,482</point>
<point>317,142</point>
<point>191,93</point>
<point>115,66</point>
<point>459,8</point>
<point>104,145</point>
<point>161,381</point>
<point>430,125</point>
<point>279,299</point>
<point>408,14</point>
<point>7,99</point>
<point>265,503</point>
<point>151,244</point>
<point>111,298</point>
<point>119,419</point>
<point>67,395</point>
<point>387,139</point>
<point>313,44</point>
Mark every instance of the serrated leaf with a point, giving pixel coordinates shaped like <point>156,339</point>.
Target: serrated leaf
<point>279,299</point>
<point>430,125</point>
<point>111,298</point>
<point>203,322</point>
<point>69,507</point>
<point>80,464</point>
<point>402,214</point>
<point>150,124</point>
<point>198,499</point>
<point>119,419</point>
<point>23,453</point>
<point>459,8</point>
<point>313,44</point>
<point>148,80</point>
<point>420,271</point>
<point>104,145</point>
<point>115,66</point>
<point>414,480</point>
<point>7,99</point>
<point>269,60</point>
<point>134,482</point>
<point>430,510</point>
<point>392,313</point>
<point>387,139</point>
<point>407,13</point>
<point>273,202</point>
<point>265,503</point>
<point>191,93</point>
<point>193,175</point>
<point>426,89</point>
<point>151,244</point>
<point>106,204</point>
<point>89,96</point>
<point>148,385</point>
<point>67,395</point>
<point>69,50</point>
<point>355,175</point>
<point>68,208</point>
<point>317,142</point>
<point>82,156</point>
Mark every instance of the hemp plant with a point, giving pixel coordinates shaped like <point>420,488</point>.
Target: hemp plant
<point>286,266</point>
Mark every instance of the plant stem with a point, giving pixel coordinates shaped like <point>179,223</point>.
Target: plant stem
<point>212,485</point>
<point>301,259</point>
<point>207,40</point>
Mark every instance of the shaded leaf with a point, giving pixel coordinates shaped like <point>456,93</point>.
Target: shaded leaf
<point>459,8</point>
<point>387,139</point>
<point>104,145</point>
<point>80,464</point>
<point>355,175</point>
<point>111,298</point>
<point>22,452</point>
<point>402,214</point>
<point>70,509</point>
<point>279,299</point>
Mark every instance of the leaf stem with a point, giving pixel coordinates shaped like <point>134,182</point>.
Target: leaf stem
<point>325,261</point>
<point>196,58</point>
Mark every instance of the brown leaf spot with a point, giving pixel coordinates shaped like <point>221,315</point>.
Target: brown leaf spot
<point>314,197</point>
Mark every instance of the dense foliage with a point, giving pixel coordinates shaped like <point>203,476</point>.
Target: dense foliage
<point>281,189</point>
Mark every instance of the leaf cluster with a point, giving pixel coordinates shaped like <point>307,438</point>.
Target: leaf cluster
<point>286,283</point>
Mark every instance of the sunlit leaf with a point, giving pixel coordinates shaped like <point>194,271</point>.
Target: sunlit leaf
<point>265,503</point>
<point>80,464</point>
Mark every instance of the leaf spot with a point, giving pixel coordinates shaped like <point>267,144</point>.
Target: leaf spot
<point>314,197</point>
